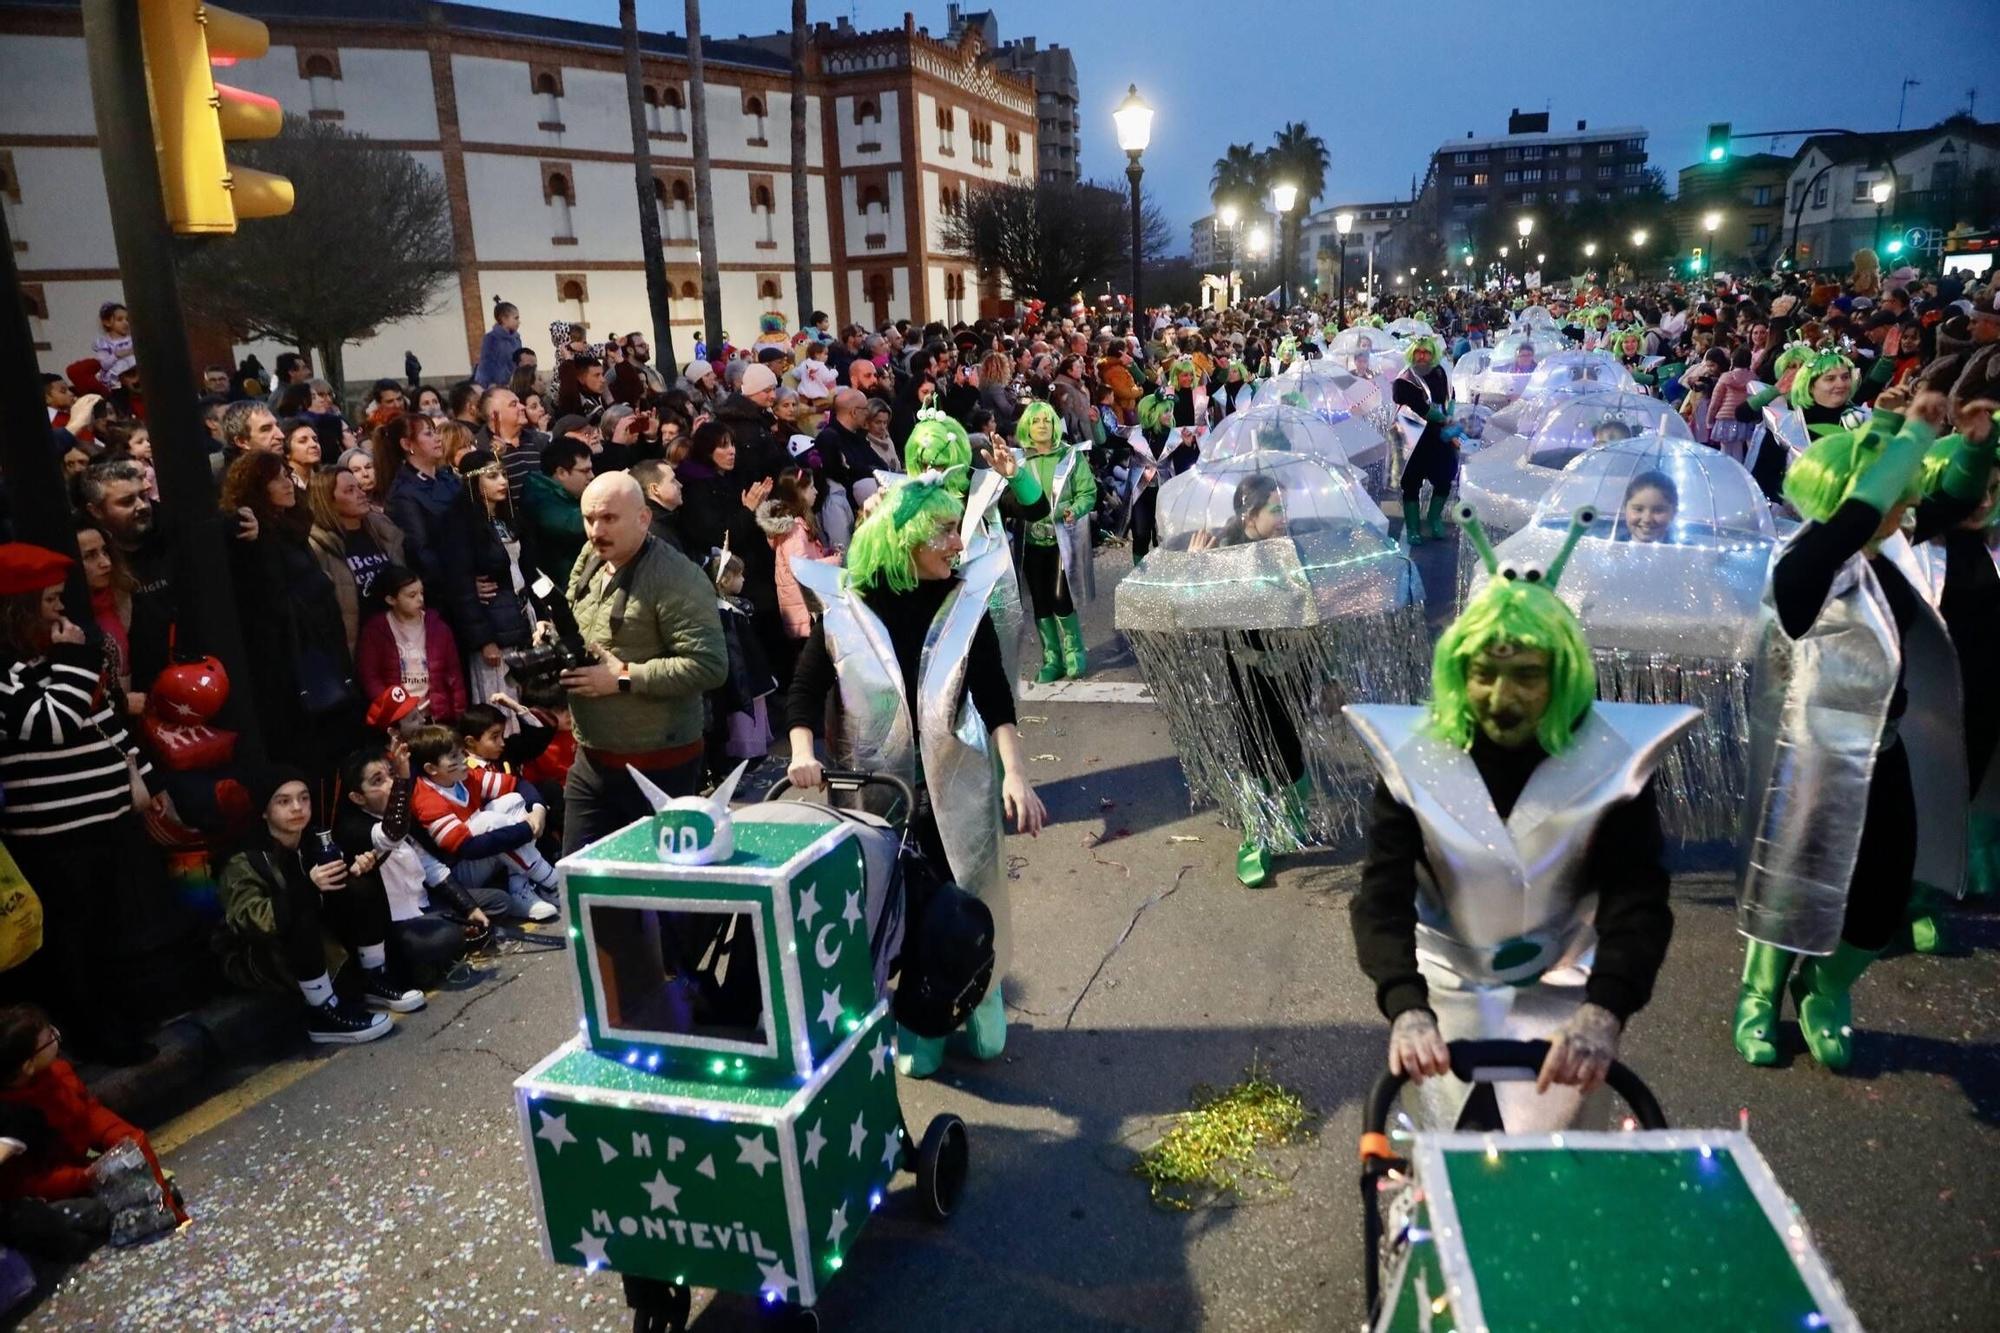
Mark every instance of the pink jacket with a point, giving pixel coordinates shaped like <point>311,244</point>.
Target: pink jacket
<point>1731,388</point>
<point>789,538</point>
<point>378,665</point>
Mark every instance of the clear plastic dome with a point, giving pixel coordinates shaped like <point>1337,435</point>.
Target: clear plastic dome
<point>1314,384</point>
<point>1366,366</point>
<point>1659,488</point>
<point>1525,415</point>
<point>1409,326</point>
<point>1259,496</point>
<point>1516,357</point>
<point>1275,427</point>
<point>1362,338</point>
<point>1598,420</point>
<point>1536,317</point>
<point>1572,367</point>
<point>1465,372</point>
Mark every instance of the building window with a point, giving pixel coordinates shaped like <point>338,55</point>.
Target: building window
<point>1604,171</point>
<point>1634,168</point>
<point>763,214</point>
<point>1635,145</point>
<point>770,290</point>
<point>1479,159</point>
<point>874,217</point>
<point>548,89</point>
<point>1760,233</point>
<point>759,121</point>
<point>573,292</point>
<point>688,291</point>
<point>652,99</point>
<point>1461,159</point>
<point>1510,178</point>
<point>1630,189</point>
<point>1531,196</point>
<point>1862,184</point>
<point>1531,154</point>
<point>1819,194</point>
<point>1532,174</point>
<point>677,210</point>
<point>1512,155</point>
<point>1570,196</point>
<point>1013,152</point>
<point>1461,180</point>
<point>321,71</point>
<point>1606,149</point>
<point>559,193</point>
<point>673,113</point>
<point>1480,178</point>
<point>947,128</point>
<point>1760,196</point>
<point>867,111</point>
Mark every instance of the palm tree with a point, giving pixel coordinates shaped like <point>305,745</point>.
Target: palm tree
<point>802,264</point>
<point>704,198</point>
<point>1298,157</point>
<point>1239,177</point>
<point>649,211</point>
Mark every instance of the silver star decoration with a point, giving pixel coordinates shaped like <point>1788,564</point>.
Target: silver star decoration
<point>814,1142</point>
<point>752,1153</point>
<point>879,1056</point>
<point>777,1280</point>
<point>809,906</point>
<point>659,1194</point>
<point>555,1132</point>
<point>830,1010</point>
<point>892,1149</point>
<point>851,914</point>
<point>592,1249</point>
<point>838,1227</point>
<point>857,1135</point>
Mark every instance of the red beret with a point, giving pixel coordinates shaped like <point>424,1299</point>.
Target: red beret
<point>392,706</point>
<point>26,568</point>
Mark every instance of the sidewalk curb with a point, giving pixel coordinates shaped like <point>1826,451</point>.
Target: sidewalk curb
<point>195,1049</point>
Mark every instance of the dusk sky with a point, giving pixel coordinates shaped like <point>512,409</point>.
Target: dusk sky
<point>1384,84</point>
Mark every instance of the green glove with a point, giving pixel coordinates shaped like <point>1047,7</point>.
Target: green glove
<point>1435,416</point>
<point>1762,398</point>
<point>1962,466</point>
<point>1027,488</point>
<point>1892,477</point>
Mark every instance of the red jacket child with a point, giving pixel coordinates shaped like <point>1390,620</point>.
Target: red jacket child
<point>80,1126</point>
<point>379,664</point>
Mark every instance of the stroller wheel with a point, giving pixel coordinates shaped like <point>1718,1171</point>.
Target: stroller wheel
<point>658,1307</point>
<point>941,1164</point>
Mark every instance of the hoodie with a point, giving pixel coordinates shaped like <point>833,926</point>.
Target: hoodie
<point>791,539</point>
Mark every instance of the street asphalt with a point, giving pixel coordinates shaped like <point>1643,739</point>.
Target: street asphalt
<point>385,1188</point>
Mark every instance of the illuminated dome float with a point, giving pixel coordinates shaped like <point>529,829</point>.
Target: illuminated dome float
<point>1279,427</point>
<point>1569,370</point>
<point>1408,327</point>
<point>1516,357</point>
<point>1506,480</point>
<point>1274,597</point>
<point>1667,581</point>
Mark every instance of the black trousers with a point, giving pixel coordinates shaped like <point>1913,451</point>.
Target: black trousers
<point>1048,590</point>
<point>1878,895</point>
<point>88,880</point>
<point>1434,461</point>
<point>358,916</point>
<point>600,802</point>
<point>1145,521</point>
<point>1258,696</point>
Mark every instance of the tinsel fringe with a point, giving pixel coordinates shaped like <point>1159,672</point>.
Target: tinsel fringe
<point>1704,779</point>
<point>1228,751</point>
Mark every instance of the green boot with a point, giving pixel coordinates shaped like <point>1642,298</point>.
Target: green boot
<point>1927,921</point>
<point>1434,520</point>
<point>1764,969</point>
<point>1298,807</point>
<point>1052,652</point>
<point>984,1035</point>
<point>917,1057</point>
<point>1826,1010</point>
<point>1076,663</point>
<point>1253,865</point>
<point>1413,526</point>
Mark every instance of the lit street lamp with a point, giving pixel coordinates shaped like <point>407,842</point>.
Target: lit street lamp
<point>1283,196</point>
<point>1134,120</point>
<point>1227,215</point>
<point>1259,245</point>
<point>1880,192</point>
<point>1343,223</point>
<point>1711,222</point>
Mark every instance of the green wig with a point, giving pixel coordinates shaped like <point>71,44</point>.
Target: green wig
<point>1820,363</point>
<point>1032,413</point>
<point>909,514</point>
<point>1819,480</point>
<point>1517,608</point>
<point>938,443</point>
<point>1156,412</point>
<point>1368,322</point>
<point>1429,340</point>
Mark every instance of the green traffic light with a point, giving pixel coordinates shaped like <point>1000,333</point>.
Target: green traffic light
<point>1895,247</point>
<point>1717,153</point>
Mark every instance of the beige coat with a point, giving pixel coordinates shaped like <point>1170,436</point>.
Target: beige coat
<point>329,549</point>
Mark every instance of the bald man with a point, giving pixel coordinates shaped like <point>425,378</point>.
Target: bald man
<point>843,441</point>
<point>648,616</point>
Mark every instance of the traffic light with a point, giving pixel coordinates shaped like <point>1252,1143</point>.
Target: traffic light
<point>1895,248</point>
<point>1694,264</point>
<point>194,117</point>
<point>1718,140</point>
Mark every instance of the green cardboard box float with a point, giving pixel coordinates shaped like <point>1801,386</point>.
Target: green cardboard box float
<point>727,1115</point>
<point>1671,1231</point>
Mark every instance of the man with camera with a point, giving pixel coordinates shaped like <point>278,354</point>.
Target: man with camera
<point>647,617</point>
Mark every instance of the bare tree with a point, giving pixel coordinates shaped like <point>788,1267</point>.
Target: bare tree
<point>802,264</point>
<point>649,209</point>
<point>1051,239</point>
<point>704,199</point>
<point>368,243</point>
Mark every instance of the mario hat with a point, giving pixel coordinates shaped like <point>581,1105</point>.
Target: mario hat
<point>392,706</point>
<point>28,568</point>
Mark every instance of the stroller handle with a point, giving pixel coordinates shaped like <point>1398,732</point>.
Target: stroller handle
<point>852,780</point>
<point>1479,1062</point>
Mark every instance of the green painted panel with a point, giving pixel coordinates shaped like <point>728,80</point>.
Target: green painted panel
<point>586,1071</point>
<point>1661,1241</point>
<point>850,1145</point>
<point>829,898</point>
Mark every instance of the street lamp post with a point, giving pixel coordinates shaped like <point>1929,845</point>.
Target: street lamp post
<point>1503,269</point>
<point>1343,223</point>
<point>1258,244</point>
<point>1283,196</point>
<point>1523,227</point>
<point>1879,192</point>
<point>1711,222</point>
<point>1134,120</point>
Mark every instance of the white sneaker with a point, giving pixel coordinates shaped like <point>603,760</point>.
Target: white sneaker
<point>542,911</point>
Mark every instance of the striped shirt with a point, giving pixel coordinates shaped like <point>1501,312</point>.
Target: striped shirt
<point>446,812</point>
<point>62,761</point>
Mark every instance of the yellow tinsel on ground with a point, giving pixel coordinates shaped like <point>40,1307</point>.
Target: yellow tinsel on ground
<point>1217,1147</point>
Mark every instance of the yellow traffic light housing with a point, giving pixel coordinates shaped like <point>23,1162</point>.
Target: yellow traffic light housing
<point>194,117</point>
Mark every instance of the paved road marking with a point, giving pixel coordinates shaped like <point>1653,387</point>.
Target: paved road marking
<point>1087,692</point>
<point>227,1105</point>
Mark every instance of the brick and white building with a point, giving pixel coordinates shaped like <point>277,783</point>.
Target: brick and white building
<point>525,120</point>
